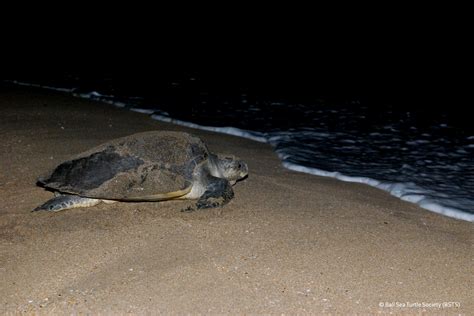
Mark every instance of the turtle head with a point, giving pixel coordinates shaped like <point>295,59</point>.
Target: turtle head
<point>231,168</point>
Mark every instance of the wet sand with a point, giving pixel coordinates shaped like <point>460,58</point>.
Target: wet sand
<point>287,243</point>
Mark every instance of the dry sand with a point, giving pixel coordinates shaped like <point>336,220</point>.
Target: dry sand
<point>288,242</point>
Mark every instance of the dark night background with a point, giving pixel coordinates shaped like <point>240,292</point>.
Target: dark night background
<point>407,56</point>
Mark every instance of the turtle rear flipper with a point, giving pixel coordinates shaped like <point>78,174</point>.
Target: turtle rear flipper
<point>218,193</point>
<point>64,202</point>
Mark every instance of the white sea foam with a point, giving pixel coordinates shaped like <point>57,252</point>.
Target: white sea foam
<point>144,111</point>
<point>36,85</point>
<point>256,136</point>
<point>400,190</point>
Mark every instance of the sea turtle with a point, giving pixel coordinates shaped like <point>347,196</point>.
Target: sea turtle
<point>149,166</point>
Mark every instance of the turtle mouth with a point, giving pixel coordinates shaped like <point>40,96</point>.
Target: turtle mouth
<point>243,177</point>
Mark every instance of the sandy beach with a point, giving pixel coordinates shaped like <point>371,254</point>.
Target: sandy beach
<point>287,243</point>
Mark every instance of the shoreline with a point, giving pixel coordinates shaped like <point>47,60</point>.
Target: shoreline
<point>287,243</point>
<point>404,191</point>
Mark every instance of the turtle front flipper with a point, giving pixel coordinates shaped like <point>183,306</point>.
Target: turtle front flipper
<point>64,202</point>
<point>218,193</point>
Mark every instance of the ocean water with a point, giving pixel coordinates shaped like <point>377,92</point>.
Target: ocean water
<point>423,157</point>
